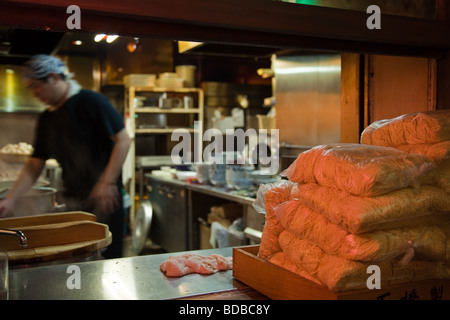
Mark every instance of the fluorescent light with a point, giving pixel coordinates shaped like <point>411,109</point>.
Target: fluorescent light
<point>184,46</point>
<point>110,39</point>
<point>99,37</point>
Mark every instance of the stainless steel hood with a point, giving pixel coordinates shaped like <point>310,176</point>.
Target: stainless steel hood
<point>225,50</point>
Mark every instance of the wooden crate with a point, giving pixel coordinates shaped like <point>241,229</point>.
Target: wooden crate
<point>279,284</point>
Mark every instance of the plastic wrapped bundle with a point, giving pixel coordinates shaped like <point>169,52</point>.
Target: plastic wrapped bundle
<point>414,128</point>
<point>340,274</point>
<point>269,197</point>
<point>360,169</point>
<point>437,151</point>
<point>269,240</point>
<point>282,260</point>
<point>429,242</point>
<point>442,176</point>
<point>401,208</point>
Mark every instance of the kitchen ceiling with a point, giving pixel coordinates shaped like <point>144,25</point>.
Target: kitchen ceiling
<point>17,45</point>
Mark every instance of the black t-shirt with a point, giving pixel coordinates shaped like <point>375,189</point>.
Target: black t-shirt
<point>78,135</point>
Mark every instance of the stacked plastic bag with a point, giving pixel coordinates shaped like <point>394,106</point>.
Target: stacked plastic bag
<point>424,133</point>
<point>346,207</point>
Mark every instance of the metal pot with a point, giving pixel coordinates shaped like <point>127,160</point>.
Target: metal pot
<point>38,200</point>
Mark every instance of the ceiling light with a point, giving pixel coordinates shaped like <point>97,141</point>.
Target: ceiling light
<point>133,45</point>
<point>99,37</point>
<point>77,42</point>
<point>110,39</point>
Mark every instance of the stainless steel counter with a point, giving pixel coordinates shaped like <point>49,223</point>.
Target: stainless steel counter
<point>125,279</point>
<point>219,192</point>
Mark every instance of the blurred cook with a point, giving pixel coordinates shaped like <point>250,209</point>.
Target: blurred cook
<point>86,135</point>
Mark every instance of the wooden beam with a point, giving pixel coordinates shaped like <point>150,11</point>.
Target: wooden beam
<point>268,16</point>
<point>352,95</point>
<point>21,14</point>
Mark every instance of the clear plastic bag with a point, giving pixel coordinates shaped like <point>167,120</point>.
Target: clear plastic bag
<point>279,192</point>
<point>437,151</point>
<point>400,208</point>
<point>358,169</point>
<point>429,240</point>
<point>414,128</point>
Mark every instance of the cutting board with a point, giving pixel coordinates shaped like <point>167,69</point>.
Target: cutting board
<point>54,236</point>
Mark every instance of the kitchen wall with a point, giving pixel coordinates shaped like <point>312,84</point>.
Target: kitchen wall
<point>14,96</point>
<point>19,110</point>
<point>399,85</point>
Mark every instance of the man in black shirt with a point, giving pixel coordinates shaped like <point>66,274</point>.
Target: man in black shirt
<point>86,135</point>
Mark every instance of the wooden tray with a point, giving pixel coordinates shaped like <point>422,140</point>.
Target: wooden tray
<point>54,236</point>
<point>279,284</point>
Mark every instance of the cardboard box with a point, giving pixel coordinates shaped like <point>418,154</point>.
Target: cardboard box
<point>230,211</point>
<point>205,234</point>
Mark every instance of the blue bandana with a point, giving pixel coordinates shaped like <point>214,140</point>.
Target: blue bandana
<point>41,65</point>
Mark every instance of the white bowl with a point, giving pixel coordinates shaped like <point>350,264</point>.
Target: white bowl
<point>184,175</point>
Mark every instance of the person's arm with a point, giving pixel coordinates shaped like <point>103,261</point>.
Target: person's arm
<point>105,191</point>
<point>28,176</point>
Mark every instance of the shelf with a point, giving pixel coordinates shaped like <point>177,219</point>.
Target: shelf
<point>163,130</point>
<point>160,110</point>
<point>192,118</point>
<point>162,90</point>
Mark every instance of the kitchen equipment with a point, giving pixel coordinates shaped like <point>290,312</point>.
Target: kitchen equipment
<point>139,102</point>
<point>171,228</point>
<point>142,226</point>
<point>14,157</point>
<point>217,174</point>
<point>185,175</point>
<point>4,275</point>
<point>53,238</point>
<point>187,73</point>
<point>5,185</point>
<point>264,176</point>
<point>202,172</point>
<point>169,103</point>
<point>188,102</point>
<point>169,80</point>
<point>233,173</point>
<point>164,174</point>
<point>141,80</point>
<point>243,183</point>
<point>38,200</point>
<point>16,233</point>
